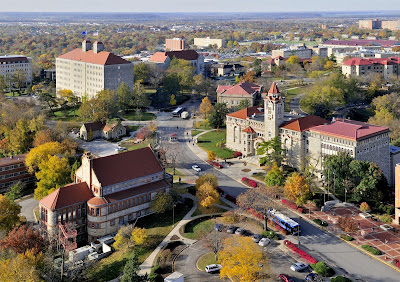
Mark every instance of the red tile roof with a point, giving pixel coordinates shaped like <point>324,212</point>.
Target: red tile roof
<point>363,42</point>
<point>242,88</point>
<point>101,58</point>
<point>273,89</point>
<point>125,194</point>
<point>66,196</point>
<point>189,55</point>
<point>126,166</point>
<point>245,113</point>
<point>97,201</point>
<point>372,61</point>
<point>248,130</point>
<point>349,129</point>
<point>303,123</point>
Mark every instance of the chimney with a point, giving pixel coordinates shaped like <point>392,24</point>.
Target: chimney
<point>98,47</point>
<point>86,45</point>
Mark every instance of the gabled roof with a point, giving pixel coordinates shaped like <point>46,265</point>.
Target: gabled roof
<point>94,126</point>
<point>101,58</point>
<point>109,127</point>
<point>67,195</point>
<point>126,166</point>
<point>245,113</point>
<point>304,123</point>
<point>160,57</point>
<point>273,89</point>
<point>349,129</point>
<point>248,129</point>
<point>242,88</point>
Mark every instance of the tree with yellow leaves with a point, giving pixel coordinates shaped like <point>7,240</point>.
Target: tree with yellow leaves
<point>211,156</point>
<point>207,195</point>
<point>22,267</point>
<point>241,259</point>
<point>297,189</point>
<point>206,107</point>
<point>138,236</point>
<point>9,211</point>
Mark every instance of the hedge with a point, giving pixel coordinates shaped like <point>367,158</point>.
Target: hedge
<point>237,154</point>
<point>323,269</point>
<point>300,252</point>
<point>249,182</point>
<point>340,279</point>
<point>270,234</point>
<point>372,250</point>
<point>346,237</point>
<point>320,222</point>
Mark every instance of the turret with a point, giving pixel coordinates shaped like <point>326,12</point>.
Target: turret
<point>274,111</point>
<point>98,47</point>
<point>86,45</point>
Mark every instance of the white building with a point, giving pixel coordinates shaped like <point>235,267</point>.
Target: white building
<point>9,65</point>
<point>205,42</point>
<point>86,72</point>
<point>300,51</point>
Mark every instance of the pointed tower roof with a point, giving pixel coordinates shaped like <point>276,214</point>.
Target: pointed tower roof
<point>274,89</point>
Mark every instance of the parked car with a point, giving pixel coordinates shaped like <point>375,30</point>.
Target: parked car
<point>240,231</point>
<point>264,242</point>
<point>299,266</point>
<point>196,168</point>
<point>286,278</point>
<point>213,268</point>
<point>257,238</point>
<point>231,229</point>
<point>120,149</point>
<point>218,227</point>
<point>312,277</point>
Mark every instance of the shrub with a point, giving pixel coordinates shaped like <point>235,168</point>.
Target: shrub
<point>320,222</point>
<point>385,218</point>
<point>229,217</point>
<point>237,154</point>
<point>396,263</point>
<point>364,207</point>
<point>270,234</point>
<point>372,250</point>
<point>300,252</point>
<point>249,182</point>
<point>289,204</point>
<point>323,269</point>
<point>389,209</point>
<point>346,237</point>
<point>340,279</point>
<point>347,224</point>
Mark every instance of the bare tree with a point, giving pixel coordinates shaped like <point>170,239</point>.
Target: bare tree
<point>169,155</point>
<point>156,75</point>
<point>214,242</point>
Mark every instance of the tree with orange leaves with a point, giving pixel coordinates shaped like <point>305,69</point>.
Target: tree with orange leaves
<point>297,189</point>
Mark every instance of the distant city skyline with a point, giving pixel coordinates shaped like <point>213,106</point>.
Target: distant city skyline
<point>196,6</point>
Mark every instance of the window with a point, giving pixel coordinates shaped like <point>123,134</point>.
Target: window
<point>97,211</point>
<point>97,225</point>
<point>112,222</point>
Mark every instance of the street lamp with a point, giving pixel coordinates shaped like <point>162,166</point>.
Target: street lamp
<point>345,193</point>
<point>173,214</point>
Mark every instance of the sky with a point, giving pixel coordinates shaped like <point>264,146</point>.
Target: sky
<point>195,5</point>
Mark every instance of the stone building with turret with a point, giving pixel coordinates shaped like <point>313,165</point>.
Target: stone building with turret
<point>306,139</point>
<point>107,193</point>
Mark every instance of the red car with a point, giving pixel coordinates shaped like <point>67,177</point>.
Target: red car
<point>286,278</point>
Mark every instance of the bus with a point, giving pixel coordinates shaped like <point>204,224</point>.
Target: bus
<point>283,221</point>
<point>177,112</point>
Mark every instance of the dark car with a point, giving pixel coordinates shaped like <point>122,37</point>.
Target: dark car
<point>312,277</point>
<point>257,238</point>
<point>218,227</point>
<point>231,229</point>
<point>286,278</point>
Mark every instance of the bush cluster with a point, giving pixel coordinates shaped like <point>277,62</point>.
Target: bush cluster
<point>214,164</point>
<point>389,209</point>
<point>323,269</point>
<point>340,279</point>
<point>320,222</point>
<point>396,263</point>
<point>372,250</point>
<point>237,154</point>
<point>249,182</point>
<point>289,204</point>
<point>385,218</point>
<point>346,237</point>
<point>270,235</point>
<point>300,252</point>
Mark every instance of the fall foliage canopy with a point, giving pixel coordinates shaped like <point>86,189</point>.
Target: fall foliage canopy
<point>297,189</point>
<point>207,195</point>
<point>205,107</point>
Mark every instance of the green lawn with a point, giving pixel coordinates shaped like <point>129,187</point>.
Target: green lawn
<point>133,127</point>
<point>195,132</point>
<point>59,115</point>
<point>203,125</point>
<point>132,146</point>
<point>197,230</point>
<point>131,115</point>
<point>205,260</point>
<point>209,140</point>
<point>158,226</point>
<point>289,94</point>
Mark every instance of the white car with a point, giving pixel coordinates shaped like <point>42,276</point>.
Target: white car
<point>264,241</point>
<point>196,168</point>
<point>299,266</point>
<point>120,149</point>
<point>213,268</point>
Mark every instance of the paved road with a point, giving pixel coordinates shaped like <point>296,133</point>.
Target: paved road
<point>27,206</point>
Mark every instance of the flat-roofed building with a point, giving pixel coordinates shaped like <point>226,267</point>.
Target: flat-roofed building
<point>10,65</point>
<point>13,170</point>
<point>175,44</point>
<point>300,51</point>
<point>207,41</point>
<point>86,72</point>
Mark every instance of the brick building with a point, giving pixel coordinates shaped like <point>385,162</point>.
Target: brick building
<point>163,59</point>
<point>309,136</point>
<point>232,95</point>
<point>175,44</point>
<point>13,170</point>
<point>86,72</point>
<point>108,192</point>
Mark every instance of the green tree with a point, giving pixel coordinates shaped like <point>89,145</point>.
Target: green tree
<point>217,117</point>
<point>141,72</point>
<point>131,270</point>
<point>139,96</point>
<point>171,83</point>
<point>9,214</point>
<point>275,176</point>
<point>74,168</point>
<point>3,85</point>
<point>271,152</point>
<point>162,202</point>
<point>125,97</point>
<point>243,104</point>
<point>15,191</point>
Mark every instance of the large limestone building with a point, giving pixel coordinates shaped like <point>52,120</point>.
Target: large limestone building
<point>86,72</point>
<point>9,65</point>
<point>108,192</point>
<point>309,136</point>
